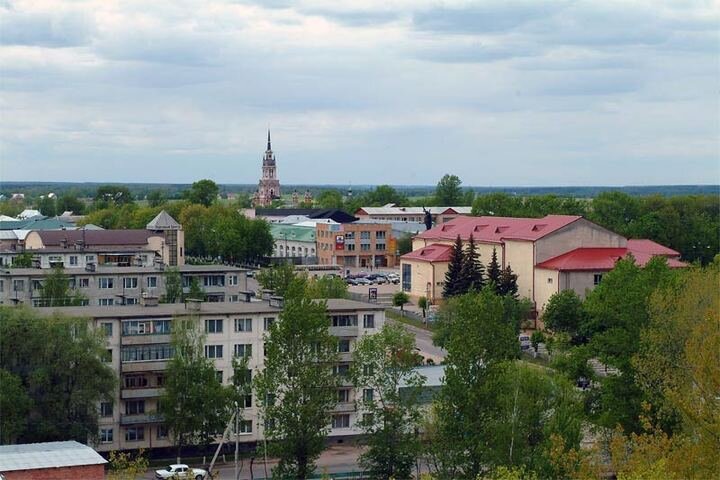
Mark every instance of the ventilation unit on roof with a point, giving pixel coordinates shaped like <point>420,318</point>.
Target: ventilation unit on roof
<point>538,227</point>
<point>477,228</point>
<point>501,229</point>
<point>445,228</point>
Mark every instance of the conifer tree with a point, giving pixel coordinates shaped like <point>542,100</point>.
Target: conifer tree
<point>453,277</point>
<point>493,270</point>
<point>508,282</point>
<point>473,270</point>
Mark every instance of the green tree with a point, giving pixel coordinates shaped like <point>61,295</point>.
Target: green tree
<point>123,466</point>
<point>330,199</point>
<point>615,210</point>
<point>15,407</point>
<point>155,198</point>
<point>382,195</point>
<point>564,312</point>
<point>497,204</point>
<point>67,202</point>
<point>243,200</point>
<point>195,292</point>
<point>48,354</point>
<point>297,387</point>
<point>327,287</point>
<point>56,291</point>
<point>617,312</point>
<point>494,271</point>
<point>109,195</point>
<point>203,192</point>
<point>22,260</point>
<point>47,206</point>
<point>423,304</point>
<point>508,282</point>
<point>404,244</point>
<point>384,370</point>
<point>448,192</point>
<point>472,269</point>
<point>195,405</point>
<point>277,278</point>
<point>454,282</point>
<point>173,286</point>
<point>400,299</point>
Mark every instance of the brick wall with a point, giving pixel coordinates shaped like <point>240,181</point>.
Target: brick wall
<point>85,472</point>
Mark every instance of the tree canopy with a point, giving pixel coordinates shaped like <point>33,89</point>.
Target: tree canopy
<point>203,192</point>
<point>448,192</point>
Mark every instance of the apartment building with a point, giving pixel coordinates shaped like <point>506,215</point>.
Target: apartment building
<point>394,213</point>
<point>138,343</point>
<point>358,244</point>
<point>549,254</point>
<point>107,286</point>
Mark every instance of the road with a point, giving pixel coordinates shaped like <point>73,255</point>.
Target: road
<point>337,458</point>
<point>423,341</point>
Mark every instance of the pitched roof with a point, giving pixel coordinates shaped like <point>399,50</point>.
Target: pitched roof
<point>600,259</point>
<point>495,229</point>
<point>338,215</point>
<point>392,209</point>
<point>96,237</point>
<point>296,233</point>
<point>31,456</point>
<point>163,221</point>
<point>650,247</point>
<point>437,252</point>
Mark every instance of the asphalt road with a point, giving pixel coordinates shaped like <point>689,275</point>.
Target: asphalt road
<point>423,341</point>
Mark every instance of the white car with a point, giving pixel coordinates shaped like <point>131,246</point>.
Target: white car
<point>180,470</point>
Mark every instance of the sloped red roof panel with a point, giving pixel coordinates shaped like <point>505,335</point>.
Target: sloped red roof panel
<point>495,229</point>
<point>432,253</point>
<point>599,259</point>
<point>650,247</point>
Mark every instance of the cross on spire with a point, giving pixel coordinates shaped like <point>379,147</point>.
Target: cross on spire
<point>268,146</point>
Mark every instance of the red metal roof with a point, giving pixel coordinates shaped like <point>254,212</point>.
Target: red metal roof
<point>432,253</point>
<point>650,247</point>
<point>600,259</point>
<point>495,229</point>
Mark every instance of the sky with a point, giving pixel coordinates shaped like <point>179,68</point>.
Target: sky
<point>498,92</point>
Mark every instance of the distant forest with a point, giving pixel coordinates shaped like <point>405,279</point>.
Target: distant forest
<point>175,190</point>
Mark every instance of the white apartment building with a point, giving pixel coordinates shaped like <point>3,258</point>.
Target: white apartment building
<point>138,343</point>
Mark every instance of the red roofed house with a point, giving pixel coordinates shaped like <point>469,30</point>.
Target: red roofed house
<point>548,254</point>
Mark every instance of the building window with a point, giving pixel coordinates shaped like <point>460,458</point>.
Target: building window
<point>219,376</point>
<point>369,321</point>
<point>342,370</point>
<point>597,278</point>
<point>350,247</point>
<point>406,277</point>
<point>107,328</point>
<point>380,247</point>
<point>134,407</point>
<point>89,258</point>
<point>18,285</point>
<point>105,282</point>
<point>130,282</point>
<point>130,301</point>
<point>343,395</point>
<point>349,235</point>
<point>73,260</point>
<point>246,426</point>
<point>368,369</point>
<point>243,324</point>
<point>368,394</point>
<point>214,325</point>
<point>134,434</point>
<point>243,350</point>
<point>84,283</point>
<point>341,421</point>
<point>146,353</point>
<point>107,357</point>
<point>268,321</point>
<point>136,381</point>
<point>162,432</point>
<point>232,280</point>
<point>151,282</point>
<point>2,282</point>
<point>106,302</point>
<point>364,235</point>
<point>213,280</point>
<point>380,235</point>
<point>213,351</point>
<point>365,247</point>
<point>344,321</point>
<point>106,409</point>
<point>550,281</point>
<point>106,435</point>
<point>247,401</point>
<point>343,346</point>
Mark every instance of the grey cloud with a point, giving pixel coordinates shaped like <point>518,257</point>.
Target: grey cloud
<point>68,29</point>
<point>476,53</point>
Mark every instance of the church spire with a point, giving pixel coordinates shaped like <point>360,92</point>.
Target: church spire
<point>268,147</point>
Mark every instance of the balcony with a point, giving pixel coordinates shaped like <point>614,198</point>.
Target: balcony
<point>345,407</point>
<point>141,418</point>
<point>345,331</point>
<point>145,339</point>
<point>130,393</point>
<point>149,366</point>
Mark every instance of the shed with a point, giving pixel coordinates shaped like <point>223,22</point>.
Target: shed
<point>67,460</point>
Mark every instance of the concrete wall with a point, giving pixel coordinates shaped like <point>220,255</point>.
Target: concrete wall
<point>547,283</point>
<point>581,282</point>
<point>581,233</point>
<point>520,256</point>
<point>84,472</point>
<point>424,273</point>
<point>33,241</point>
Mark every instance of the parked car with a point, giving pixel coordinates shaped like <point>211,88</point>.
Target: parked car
<point>362,281</point>
<point>180,470</point>
<point>380,278</point>
<point>250,274</point>
<point>393,278</point>
<point>525,342</point>
<point>351,281</point>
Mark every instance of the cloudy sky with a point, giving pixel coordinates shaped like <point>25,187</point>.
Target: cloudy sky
<point>499,92</point>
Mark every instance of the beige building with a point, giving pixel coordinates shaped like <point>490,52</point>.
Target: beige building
<point>359,244</point>
<point>394,213</point>
<point>536,249</point>
<point>138,343</point>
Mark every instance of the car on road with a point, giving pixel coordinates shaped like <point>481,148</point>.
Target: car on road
<point>180,470</point>
<point>351,281</point>
<point>393,278</point>
<point>378,278</point>
<point>362,281</point>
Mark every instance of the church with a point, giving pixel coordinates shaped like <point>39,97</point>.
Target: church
<point>269,186</point>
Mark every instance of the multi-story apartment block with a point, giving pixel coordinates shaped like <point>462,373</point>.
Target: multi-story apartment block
<point>392,212</point>
<point>111,285</point>
<point>139,347</point>
<point>357,244</point>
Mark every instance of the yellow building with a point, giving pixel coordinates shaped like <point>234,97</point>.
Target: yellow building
<point>536,249</point>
